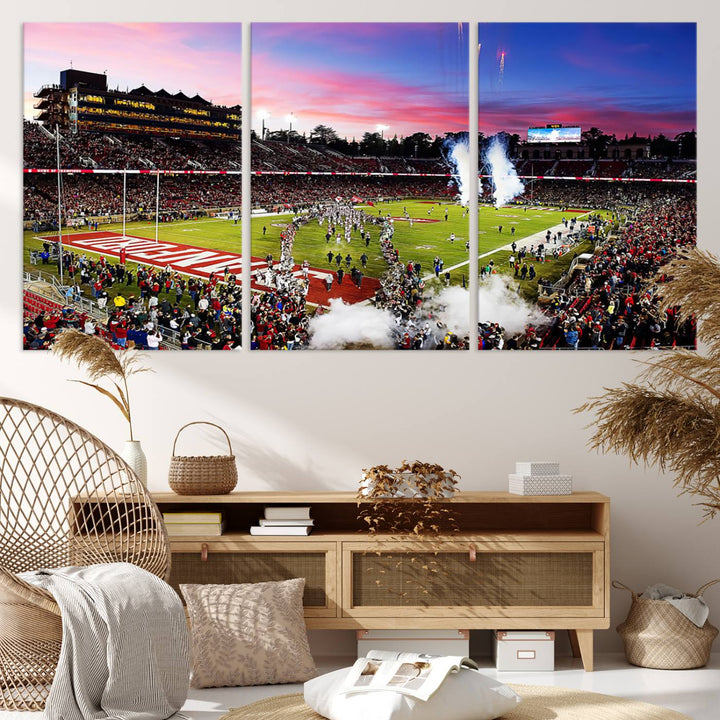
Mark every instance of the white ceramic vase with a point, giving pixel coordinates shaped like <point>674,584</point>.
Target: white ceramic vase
<point>134,456</point>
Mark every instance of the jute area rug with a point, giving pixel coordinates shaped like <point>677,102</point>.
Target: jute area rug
<point>539,703</point>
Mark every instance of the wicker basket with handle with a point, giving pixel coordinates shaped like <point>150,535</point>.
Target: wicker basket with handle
<point>202,474</point>
<point>657,635</point>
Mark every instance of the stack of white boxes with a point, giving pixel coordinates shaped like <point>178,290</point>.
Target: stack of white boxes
<point>539,478</point>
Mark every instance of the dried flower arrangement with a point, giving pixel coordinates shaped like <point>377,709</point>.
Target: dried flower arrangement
<point>406,503</point>
<point>404,500</point>
<point>100,362</point>
<point>670,417</point>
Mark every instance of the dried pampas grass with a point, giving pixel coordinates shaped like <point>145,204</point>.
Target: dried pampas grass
<point>100,361</point>
<point>670,416</point>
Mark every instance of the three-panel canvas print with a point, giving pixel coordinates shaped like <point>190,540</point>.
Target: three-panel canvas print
<point>362,185</point>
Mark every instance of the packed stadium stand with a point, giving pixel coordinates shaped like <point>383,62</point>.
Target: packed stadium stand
<point>536,167</point>
<point>612,302</point>
<point>611,169</point>
<point>679,169</point>
<point>100,196</point>
<point>126,152</point>
<point>573,168</point>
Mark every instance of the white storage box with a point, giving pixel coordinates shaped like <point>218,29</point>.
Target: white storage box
<point>524,650</point>
<point>430,642</point>
<point>540,485</point>
<point>537,467</point>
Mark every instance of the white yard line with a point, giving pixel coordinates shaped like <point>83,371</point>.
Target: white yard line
<point>533,239</point>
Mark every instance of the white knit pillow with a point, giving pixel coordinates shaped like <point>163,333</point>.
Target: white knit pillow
<point>465,695</point>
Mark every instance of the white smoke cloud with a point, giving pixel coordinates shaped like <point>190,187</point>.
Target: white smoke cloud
<point>453,309</point>
<point>505,179</point>
<point>459,158</point>
<point>344,325</point>
<point>498,303</point>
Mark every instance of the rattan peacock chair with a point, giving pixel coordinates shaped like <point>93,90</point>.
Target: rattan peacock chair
<point>65,499</point>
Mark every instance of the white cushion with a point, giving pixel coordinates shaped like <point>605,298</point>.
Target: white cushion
<point>466,695</point>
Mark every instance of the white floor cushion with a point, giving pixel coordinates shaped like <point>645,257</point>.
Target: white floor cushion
<point>466,695</point>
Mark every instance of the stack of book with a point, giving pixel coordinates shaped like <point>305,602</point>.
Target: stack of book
<point>183,524</point>
<point>285,520</point>
<point>539,478</point>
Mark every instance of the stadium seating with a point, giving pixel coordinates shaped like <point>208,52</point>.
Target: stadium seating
<point>573,168</point>
<point>611,168</point>
<point>34,304</point>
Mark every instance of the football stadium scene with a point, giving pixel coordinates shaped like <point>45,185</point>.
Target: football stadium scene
<point>132,186</point>
<point>587,171</point>
<point>360,233</point>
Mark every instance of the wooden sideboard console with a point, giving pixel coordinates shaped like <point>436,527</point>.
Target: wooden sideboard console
<point>517,562</point>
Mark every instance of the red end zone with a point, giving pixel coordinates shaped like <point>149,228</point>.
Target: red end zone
<point>202,262</point>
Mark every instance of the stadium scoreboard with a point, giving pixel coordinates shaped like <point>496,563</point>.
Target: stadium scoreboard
<point>555,133</point>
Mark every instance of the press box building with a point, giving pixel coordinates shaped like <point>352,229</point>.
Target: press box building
<point>82,102</point>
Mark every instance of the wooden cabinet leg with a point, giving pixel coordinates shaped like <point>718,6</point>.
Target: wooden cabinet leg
<point>581,642</point>
<point>572,634</point>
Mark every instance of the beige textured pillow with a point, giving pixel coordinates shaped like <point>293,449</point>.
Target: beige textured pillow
<point>250,634</point>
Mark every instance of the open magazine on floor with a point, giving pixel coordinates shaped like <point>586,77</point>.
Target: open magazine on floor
<point>409,673</point>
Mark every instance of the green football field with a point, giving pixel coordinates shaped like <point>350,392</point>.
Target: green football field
<point>492,243</point>
<point>429,236</point>
<point>420,242</point>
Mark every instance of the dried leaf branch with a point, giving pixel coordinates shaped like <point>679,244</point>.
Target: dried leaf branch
<point>101,362</point>
<point>670,416</point>
<point>408,503</point>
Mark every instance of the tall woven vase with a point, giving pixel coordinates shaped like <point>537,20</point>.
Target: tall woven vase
<point>134,456</point>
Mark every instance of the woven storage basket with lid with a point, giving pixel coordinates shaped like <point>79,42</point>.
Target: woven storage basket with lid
<point>657,635</point>
<point>202,474</point>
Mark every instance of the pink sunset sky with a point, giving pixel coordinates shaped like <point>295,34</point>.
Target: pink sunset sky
<point>355,77</point>
<point>199,58</point>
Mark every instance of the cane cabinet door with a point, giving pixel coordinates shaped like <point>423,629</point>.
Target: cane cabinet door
<point>226,562</point>
<point>473,579</point>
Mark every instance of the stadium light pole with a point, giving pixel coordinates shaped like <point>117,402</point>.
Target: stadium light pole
<point>60,243</point>
<point>290,118</point>
<point>124,199</point>
<point>157,208</point>
<point>263,115</point>
<point>381,129</point>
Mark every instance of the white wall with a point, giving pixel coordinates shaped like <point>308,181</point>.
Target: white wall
<point>311,421</point>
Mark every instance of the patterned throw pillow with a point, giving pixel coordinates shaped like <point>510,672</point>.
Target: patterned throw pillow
<point>250,634</point>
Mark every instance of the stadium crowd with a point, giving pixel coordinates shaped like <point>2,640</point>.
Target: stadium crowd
<point>612,301</point>
<point>144,307</point>
<point>125,152</point>
<point>145,152</point>
<point>597,195</point>
<point>302,191</point>
<point>92,196</point>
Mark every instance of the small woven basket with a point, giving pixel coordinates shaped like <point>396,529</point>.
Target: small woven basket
<point>202,474</point>
<point>657,635</point>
